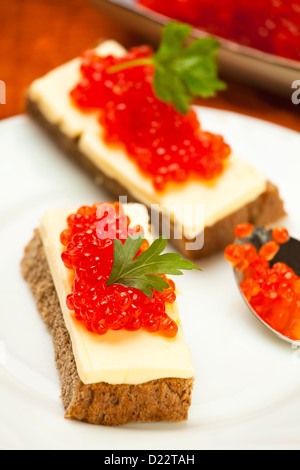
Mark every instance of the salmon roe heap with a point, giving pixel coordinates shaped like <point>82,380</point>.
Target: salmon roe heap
<point>272,289</point>
<point>165,145</point>
<point>88,252</point>
<point>271,26</point>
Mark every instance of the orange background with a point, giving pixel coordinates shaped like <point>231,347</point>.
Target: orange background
<point>37,35</point>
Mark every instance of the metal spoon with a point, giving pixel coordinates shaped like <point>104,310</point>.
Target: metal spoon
<point>289,253</point>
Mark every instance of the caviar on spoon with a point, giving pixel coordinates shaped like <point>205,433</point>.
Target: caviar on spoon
<point>266,265</point>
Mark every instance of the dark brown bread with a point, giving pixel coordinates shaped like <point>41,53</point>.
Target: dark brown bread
<point>267,209</point>
<point>100,403</point>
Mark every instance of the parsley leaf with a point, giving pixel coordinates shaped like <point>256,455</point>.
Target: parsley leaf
<point>183,70</point>
<point>140,272</point>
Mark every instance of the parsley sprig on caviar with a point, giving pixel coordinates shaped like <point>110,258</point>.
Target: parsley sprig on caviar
<point>141,271</point>
<point>183,69</point>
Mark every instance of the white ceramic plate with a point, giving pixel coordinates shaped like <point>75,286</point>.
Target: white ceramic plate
<point>247,390</point>
<point>269,72</point>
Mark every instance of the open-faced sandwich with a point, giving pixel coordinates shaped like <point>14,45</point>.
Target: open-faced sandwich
<point>126,117</point>
<point>101,286</point>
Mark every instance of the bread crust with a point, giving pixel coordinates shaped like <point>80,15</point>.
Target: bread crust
<point>267,209</point>
<point>166,399</point>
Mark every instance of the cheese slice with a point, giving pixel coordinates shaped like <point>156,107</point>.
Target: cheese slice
<point>191,206</point>
<point>118,357</point>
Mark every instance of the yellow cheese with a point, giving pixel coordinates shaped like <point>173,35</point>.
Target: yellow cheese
<point>118,357</point>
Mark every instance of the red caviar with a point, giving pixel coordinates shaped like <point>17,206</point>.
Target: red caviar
<point>272,25</point>
<point>269,250</point>
<point>280,235</point>
<point>88,252</point>
<point>273,290</point>
<point>166,146</point>
<point>243,230</point>
<point>234,254</point>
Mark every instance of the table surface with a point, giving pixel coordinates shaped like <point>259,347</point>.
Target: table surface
<point>37,36</point>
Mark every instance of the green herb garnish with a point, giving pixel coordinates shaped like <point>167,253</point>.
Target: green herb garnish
<point>183,70</point>
<point>141,272</point>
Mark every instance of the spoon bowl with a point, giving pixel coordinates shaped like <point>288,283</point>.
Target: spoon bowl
<point>289,253</point>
